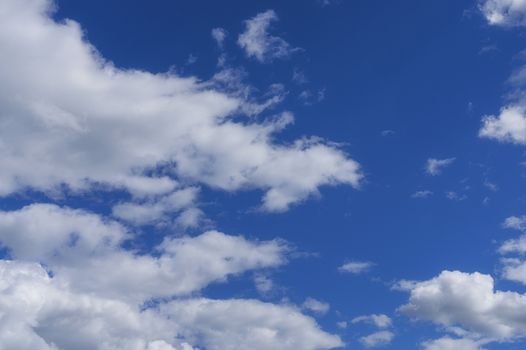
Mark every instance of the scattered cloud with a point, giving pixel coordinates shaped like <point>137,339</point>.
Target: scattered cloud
<point>259,43</point>
<point>515,222</point>
<point>380,320</point>
<point>454,196</point>
<point>435,166</point>
<point>316,306</point>
<point>356,267</point>
<point>422,194</point>
<point>219,35</point>
<point>448,343</point>
<point>84,123</point>
<point>504,12</point>
<point>381,338</point>
<point>469,301</point>
<point>263,283</point>
<point>508,126</point>
<point>342,324</point>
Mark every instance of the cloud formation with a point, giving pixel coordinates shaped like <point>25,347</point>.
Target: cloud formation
<point>84,122</point>
<point>356,267</point>
<point>504,12</point>
<point>469,301</point>
<point>38,312</point>
<point>259,43</point>
<point>435,166</point>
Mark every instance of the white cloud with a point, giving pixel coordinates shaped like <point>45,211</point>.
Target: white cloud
<point>161,209</point>
<point>516,245</point>
<point>82,122</point>
<point>469,300</point>
<point>435,166</point>
<point>356,267</point>
<point>514,270</point>
<point>508,126</point>
<point>454,196</point>
<point>422,194</point>
<point>380,320</point>
<point>219,35</point>
<point>376,339</point>
<point>504,12</point>
<point>38,312</point>
<point>263,283</point>
<point>515,222</point>
<point>247,324</point>
<point>342,324</point>
<point>316,306</point>
<point>77,246</point>
<point>258,43</point>
<point>448,343</point>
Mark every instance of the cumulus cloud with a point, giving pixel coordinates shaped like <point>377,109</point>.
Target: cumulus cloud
<point>508,126</point>
<point>515,222</point>
<point>38,312</point>
<point>162,209</point>
<point>377,339</point>
<point>468,300</point>
<point>259,43</point>
<point>380,320</point>
<point>84,122</point>
<point>356,267</point>
<point>448,343</point>
<point>435,166</point>
<point>504,12</point>
<point>85,251</point>
<point>248,324</point>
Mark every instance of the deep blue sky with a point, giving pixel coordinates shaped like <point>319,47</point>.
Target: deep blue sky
<point>426,70</point>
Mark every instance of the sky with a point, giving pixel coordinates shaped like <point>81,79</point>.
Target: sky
<point>286,175</point>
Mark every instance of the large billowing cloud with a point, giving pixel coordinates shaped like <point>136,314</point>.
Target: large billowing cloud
<point>85,251</point>
<point>81,121</point>
<point>73,286</point>
<point>248,324</point>
<point>38,312</point>
<point>469,301</point>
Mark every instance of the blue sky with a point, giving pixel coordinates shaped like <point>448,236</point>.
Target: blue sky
<point>300,175</point>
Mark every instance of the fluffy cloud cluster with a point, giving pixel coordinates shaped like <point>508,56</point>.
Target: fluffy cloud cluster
<point>448,343</point>
<point>39,312</point>
<point>510,124</point>
<point>84,291</point>
<point>73,279</point>
<point>86,252</point>
<point>504,12</point>
<point>83,122</point>
<point>457,299</point>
